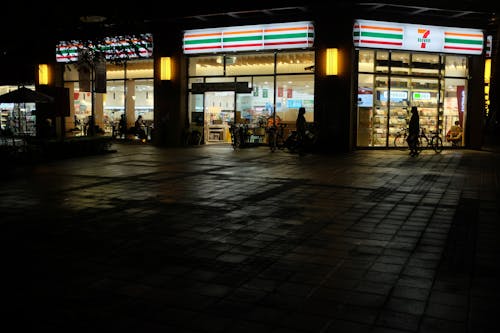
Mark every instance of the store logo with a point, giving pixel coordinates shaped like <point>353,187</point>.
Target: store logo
<point>424,39</point>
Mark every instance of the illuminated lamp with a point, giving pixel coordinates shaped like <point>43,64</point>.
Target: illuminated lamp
<point>43,74</point>
<point>487,70</point>
<point>165,68</point>
<point>332,61</point>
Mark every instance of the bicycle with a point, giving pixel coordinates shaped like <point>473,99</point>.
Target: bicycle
<point>193,137</point>
<point>400,137</point>
<point>236,136</point>
<point>436,142</point>
<point>276,137</point>
<point>296,143</point>
<point>239,135</point>
<point>423,140</point>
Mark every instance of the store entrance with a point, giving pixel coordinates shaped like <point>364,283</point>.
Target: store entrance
<point>218,116</point>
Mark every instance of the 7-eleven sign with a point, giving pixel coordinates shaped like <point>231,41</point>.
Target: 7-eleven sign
<point>417,37</point>
<point>424,39</point>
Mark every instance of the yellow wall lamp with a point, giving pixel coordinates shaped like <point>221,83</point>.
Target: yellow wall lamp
<point>165,68</point>
<point>43,74</point>
<point>332,63</point>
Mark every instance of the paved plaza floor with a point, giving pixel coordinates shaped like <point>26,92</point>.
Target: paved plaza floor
<point>209,239</point>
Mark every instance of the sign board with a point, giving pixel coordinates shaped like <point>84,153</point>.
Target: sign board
<point>118,47</point>
<point>417,37</point>
<point>249,38</point>
<point>238,87</point>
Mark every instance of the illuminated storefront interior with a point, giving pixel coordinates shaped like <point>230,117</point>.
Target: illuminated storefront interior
<point>238,86</point>
<point>391,81</point>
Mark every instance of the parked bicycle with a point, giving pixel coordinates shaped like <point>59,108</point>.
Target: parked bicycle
<point>239,135</point>
<point>193,137</point>
<point>435,141</point>
<point>400,137</point>
<point>276,137</point>
<point>296,144</point>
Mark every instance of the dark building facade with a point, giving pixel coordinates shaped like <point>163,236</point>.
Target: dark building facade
<point>361,106</point>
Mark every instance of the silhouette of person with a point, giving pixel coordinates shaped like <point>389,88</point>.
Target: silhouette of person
<point>300,123</point>
<point>413,131</point>
<point>122,126</point>
<point>139,128</point>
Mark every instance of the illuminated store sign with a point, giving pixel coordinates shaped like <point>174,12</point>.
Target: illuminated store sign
<point>119,47</point>
<point>249,37</point>
<point>416,37</point>
<point>421,96</point>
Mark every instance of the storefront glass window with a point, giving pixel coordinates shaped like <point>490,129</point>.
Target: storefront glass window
<point>382,61</point>
<point>129,86</point>
<point>114,102</point>
<point>250,64</point>
<point>144,100</point>
<point>17,118</point>
<point>400,63</point>
<point>416,79</point>
<point>269,93</point>
<point>257,106</point>
<point>455,102</point>
<point>456,66</point>
<point>425,64</point>
<point>206,66</point>
<point>365,126</point>
<point>382,97</point>
<point>295,62</point>
<point>366,61</point>
<point>292,92</point>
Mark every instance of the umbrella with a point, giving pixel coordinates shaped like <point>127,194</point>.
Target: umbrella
<point>25,95</point>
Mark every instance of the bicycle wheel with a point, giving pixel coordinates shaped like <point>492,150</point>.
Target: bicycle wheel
<point>437,144</point>
<point>423,143</point>
<point>400,141</point>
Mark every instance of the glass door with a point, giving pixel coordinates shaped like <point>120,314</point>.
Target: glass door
<point>218,116</point>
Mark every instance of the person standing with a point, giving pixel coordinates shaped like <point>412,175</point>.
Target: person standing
<point>300,123</point>
<point>122,127</point>
<point>301,127</point>
<point>139,128</point>
<point>413,131</point>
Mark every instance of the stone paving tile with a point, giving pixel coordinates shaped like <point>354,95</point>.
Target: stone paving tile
<point>216,240</point>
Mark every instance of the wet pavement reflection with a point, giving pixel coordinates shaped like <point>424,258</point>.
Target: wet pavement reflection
<point>208,239</point>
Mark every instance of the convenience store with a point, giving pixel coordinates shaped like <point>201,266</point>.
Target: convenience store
<point>361,105</point>
<point>404,65</point>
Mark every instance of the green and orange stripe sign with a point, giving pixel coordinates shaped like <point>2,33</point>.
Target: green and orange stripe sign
<point>415,37</point>
<point>463,41</point>
<point>252,37</point>
<point>118,47</point>
<point>377,34</point>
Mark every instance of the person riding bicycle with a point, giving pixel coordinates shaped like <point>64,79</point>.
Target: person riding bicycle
<point>413,131</point>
